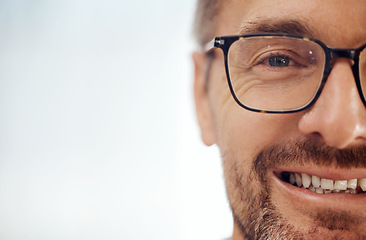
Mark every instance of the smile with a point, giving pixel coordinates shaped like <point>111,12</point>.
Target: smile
<point>323,185</point>
<point>320,187</point>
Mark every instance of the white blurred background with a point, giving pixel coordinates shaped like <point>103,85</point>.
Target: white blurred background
<point>98,138</point>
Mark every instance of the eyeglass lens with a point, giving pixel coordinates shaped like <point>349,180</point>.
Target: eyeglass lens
<point>278,73</point>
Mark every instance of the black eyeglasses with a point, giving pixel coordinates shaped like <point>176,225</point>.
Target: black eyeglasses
<point>282,73</point>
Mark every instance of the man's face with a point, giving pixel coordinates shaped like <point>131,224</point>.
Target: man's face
<point>260,151</point>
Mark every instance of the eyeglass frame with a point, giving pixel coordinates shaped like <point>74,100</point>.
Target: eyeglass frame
<point>225,42</point>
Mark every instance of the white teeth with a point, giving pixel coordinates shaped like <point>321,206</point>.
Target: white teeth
<point>363,184</point>
<point>353,191</point>
<point>340,185</point>
<point>316,181</point>
<point>352,183</point>
<point>306,180</point>
<point>327,191</point>
<point>298,180</point>
<point>292,179</point>
<point>319,190</point>
<point>326,184</point>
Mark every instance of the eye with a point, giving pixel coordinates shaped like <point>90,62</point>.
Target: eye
<point>281,59</point>
<point>278,61</point>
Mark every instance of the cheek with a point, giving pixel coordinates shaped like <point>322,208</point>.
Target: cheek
<point>246,133</point>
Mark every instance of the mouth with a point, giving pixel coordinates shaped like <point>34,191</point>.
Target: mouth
<point>320,197</point>
<point>321,185</point>
<point>314,187</point>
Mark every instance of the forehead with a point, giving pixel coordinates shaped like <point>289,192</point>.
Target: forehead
<point>340,23</point>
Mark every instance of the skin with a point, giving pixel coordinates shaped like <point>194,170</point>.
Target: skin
<point>337,120</point>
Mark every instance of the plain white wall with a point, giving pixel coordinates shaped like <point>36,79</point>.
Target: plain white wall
<point>98,138</point>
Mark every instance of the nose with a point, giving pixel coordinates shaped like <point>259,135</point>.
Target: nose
<point>338,116</point>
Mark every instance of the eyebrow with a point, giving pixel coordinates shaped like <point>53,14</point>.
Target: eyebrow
<point>277,26</point>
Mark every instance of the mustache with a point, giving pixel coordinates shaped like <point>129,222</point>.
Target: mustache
<point>306,151</point>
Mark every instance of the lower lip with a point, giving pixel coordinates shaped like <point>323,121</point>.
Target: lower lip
<point>331,200</point>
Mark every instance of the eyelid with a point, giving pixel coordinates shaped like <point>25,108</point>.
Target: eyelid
<point>262,57</point>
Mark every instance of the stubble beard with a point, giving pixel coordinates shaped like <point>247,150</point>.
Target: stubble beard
<point>250,196</point>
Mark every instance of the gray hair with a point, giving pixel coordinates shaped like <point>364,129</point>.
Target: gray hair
<point>205,20</point>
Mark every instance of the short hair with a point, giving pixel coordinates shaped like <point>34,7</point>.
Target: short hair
<point>205,20</point>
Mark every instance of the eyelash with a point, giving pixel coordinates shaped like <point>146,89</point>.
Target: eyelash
<point>264,58</point>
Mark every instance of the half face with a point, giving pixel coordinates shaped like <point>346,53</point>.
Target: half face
<point>299,175</point>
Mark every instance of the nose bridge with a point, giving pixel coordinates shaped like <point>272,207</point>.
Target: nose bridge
<point>339,115</point>
<point>342,53</point>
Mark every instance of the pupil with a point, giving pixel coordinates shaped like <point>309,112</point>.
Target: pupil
<point>279,61</point>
